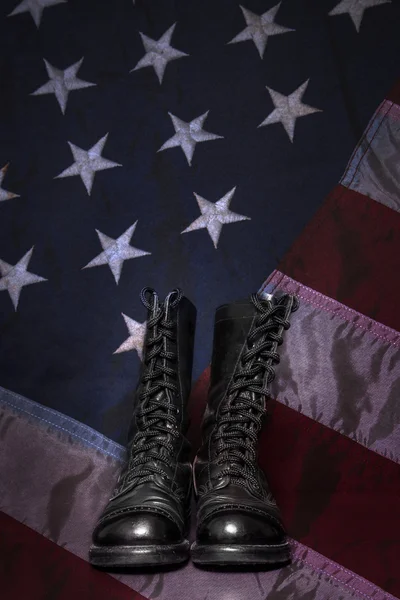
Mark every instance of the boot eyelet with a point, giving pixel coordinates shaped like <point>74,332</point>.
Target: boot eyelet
<point>220,482</point>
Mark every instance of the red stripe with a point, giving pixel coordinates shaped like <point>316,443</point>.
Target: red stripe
<point>197,404</point>
<point>35,568</point>
<point>336,496</point>
<point>394,94</point>
<point>350,251</point>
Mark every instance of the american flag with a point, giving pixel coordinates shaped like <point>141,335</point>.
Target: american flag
<point>173,143</point>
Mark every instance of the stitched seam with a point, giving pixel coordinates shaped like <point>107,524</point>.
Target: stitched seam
<point>45,409</point>
<point>397,344</point>
<point>63,429</point>
<point>336,579</point>
<point>299,547</point>
<point>324,297</point>
<point>342,307</point>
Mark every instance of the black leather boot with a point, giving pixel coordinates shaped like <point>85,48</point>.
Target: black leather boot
<point>238,522</point>
<point>146,521</point>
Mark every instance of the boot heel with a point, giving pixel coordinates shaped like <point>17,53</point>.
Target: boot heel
<point>111,557</point>
<point>221,555</point>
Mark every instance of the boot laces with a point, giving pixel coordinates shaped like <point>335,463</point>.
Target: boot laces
<point>156,417</point>
<point>241,417</point>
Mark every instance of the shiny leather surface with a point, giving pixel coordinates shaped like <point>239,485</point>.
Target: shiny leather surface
<point>157,512</point>
<point>226,510</point>
<point>237,528</point>
<point>232,324</point>
<point>141,529</point>
<point>184,317</point>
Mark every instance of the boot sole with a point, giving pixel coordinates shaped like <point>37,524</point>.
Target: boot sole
<point>221,555</point>
<point>139,556</point>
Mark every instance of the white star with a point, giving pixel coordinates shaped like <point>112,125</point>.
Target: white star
<point>115,252</point>
<point>35,7</point>
<point>260,28</point>
<point>15,277</point>
<point>61,83</point>
<point>87,162</point>
<point>135,341</point>
<point>215,215</point>
<point>288,109</point>
<point>5,194</point>
<point>187,135</point>
<point>159,53</point>
<point>356,9</point>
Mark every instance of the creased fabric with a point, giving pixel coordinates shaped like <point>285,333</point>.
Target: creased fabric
<point>374,169</point>
<point>121,113</point>
<point>340,368</point>
<point>65,485</point>
<point>49,571</point>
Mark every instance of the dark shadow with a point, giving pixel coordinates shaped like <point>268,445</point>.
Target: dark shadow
<point>243,568</point>
<point>131,570</point>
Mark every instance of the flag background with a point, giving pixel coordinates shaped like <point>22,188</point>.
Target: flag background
<point>331,446</point>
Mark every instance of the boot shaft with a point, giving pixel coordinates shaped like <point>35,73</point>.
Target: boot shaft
<point>177,355</point>
<point>247,335</point>
<point>147,516</point>
<point>158,451</point>
<point>232,326</point>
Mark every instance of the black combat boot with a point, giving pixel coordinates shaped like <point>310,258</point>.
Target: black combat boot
<point>146,521</point>
<point>238,522</point>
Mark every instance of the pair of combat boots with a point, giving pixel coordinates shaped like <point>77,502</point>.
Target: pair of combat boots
<point>146,522</point>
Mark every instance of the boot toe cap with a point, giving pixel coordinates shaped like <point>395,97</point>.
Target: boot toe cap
<point>137,529</point>
<point>239,528</point>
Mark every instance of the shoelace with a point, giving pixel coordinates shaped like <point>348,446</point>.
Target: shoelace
<point>240,420</point>
<point>156,418</point>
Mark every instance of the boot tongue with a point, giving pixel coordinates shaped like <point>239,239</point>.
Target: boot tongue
<point>158,361</point>
<point>161,412</point>
<point>245,394</point>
